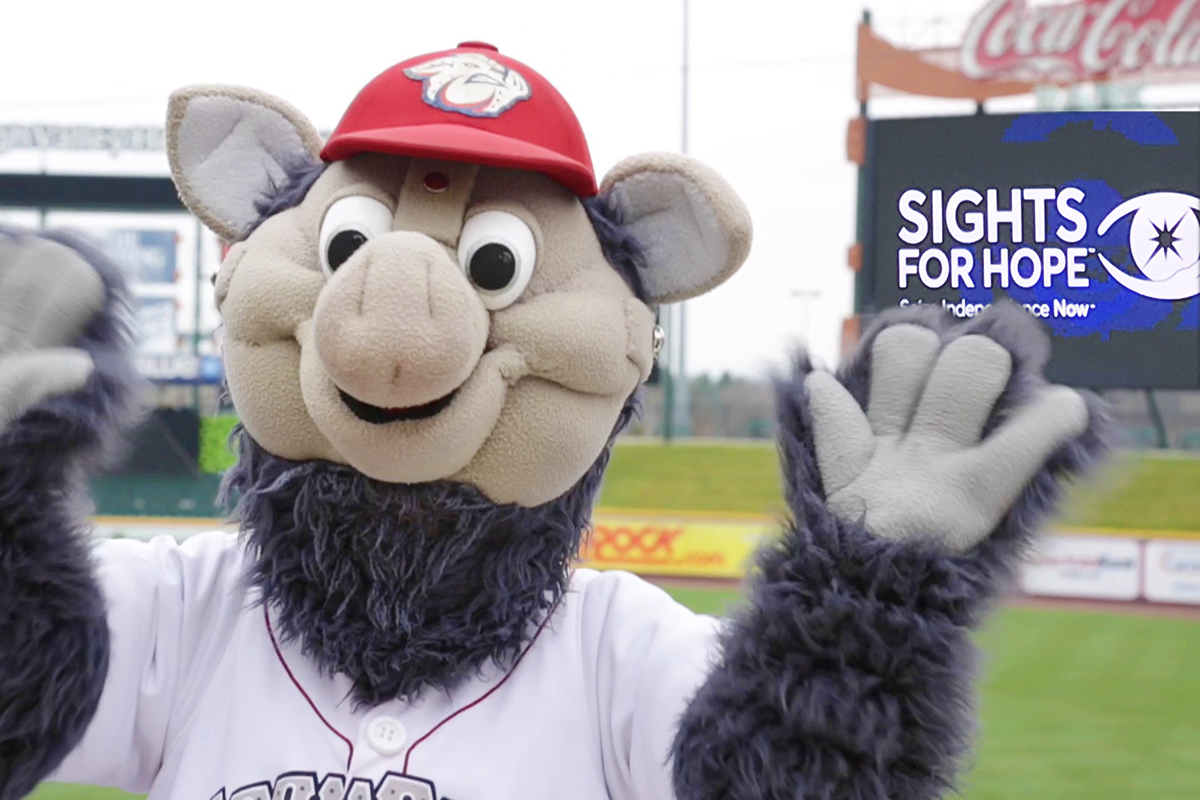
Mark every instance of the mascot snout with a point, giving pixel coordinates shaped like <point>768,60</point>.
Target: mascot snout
<point>398,325</point>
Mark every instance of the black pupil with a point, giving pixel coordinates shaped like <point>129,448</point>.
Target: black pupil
<point>342,246</point>
<point>492,267</point>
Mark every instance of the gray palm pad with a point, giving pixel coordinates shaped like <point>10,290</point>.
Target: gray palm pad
<point>915,465</point>
<point>48,295</point>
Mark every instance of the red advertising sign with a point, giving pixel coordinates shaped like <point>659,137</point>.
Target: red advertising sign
<point>1081,41</point>
<point>1012,46</point>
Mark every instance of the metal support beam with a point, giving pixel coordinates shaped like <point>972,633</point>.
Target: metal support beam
<point>681,417</point>
<point>89,193</point>
<point>1160,428</point>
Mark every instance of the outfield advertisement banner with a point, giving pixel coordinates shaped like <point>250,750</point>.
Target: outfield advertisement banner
<point>1099,568</point>
<point>1173,572</point>
<point>695,547</point>
<point>1104,566</point>
<point>698,547</point>
<point>652,545</point>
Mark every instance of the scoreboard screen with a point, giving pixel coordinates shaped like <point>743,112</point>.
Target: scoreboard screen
<point>1090,220</point>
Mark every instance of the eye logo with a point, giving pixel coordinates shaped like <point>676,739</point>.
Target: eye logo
<point>1164,242</point>
<point>470,84</point>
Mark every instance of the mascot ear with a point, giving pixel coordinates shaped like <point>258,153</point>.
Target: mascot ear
<point>694,229</point>
<point>228,146</point>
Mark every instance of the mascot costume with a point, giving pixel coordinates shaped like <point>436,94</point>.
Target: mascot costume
<point>435,324</point>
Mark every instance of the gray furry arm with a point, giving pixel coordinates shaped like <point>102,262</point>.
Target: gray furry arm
<point>54,635</point>
<point>849,675</point>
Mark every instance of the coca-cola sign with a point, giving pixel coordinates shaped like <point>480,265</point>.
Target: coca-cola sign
<point>1079,41</point>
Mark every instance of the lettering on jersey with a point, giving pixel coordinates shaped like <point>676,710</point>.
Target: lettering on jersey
<point>305,786</point>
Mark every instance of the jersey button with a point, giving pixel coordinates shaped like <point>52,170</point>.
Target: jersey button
<point>386,736</point>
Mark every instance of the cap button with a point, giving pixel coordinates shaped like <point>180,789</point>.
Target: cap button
<point>480,46</point>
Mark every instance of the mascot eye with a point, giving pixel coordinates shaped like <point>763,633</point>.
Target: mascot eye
<point>349,224</point>
<point>496,252</point>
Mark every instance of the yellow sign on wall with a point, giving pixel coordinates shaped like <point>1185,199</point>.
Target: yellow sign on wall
<point>679,546</point>
<point>652,543</point>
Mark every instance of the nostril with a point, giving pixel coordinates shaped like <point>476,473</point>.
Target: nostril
<point>396,375</point>
<point>436,182</point>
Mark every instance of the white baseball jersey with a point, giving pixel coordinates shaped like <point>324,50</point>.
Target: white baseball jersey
<point>204,702</point>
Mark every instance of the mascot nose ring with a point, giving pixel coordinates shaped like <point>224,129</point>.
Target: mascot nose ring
<point>660,339</point>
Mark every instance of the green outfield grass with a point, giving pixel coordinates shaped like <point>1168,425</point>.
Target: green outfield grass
<point>1133,492</point>
<point>1087,706</point>
<point>1075,706</point>
<point>694,477</point>
<point>52,791</point>
<point>1140,492</point>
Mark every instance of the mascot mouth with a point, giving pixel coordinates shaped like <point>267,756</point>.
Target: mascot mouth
<point>376,415</point>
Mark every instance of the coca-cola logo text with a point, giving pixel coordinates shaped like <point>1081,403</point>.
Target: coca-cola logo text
<point>1090,39</point>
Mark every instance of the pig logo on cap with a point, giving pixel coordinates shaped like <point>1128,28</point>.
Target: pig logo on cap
<point>471,84</point>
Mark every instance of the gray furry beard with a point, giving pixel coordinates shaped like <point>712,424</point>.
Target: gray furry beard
<point>402,588</point>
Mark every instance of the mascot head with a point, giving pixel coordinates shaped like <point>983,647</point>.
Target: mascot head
<point>439,303</point>
<point>434,324</point>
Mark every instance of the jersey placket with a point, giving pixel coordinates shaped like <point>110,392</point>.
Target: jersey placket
<point>381,740</point>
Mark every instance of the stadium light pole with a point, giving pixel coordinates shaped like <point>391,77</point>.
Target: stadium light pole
<point>196,288</point>
<point>676,403</point>
<point>682,398</point>
<point>674,318</point>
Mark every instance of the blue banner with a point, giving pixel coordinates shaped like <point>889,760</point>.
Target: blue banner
<point>156,328</point>
<point>182,369</point>
<point>149,256</point>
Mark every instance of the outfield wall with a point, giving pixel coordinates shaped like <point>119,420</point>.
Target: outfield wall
<point>1128,566</point>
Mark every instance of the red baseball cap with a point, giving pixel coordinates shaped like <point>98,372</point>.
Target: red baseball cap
<point>468,104</point>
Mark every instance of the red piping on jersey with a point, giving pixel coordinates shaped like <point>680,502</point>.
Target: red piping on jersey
<point>490,691</point>
<point>296,683</point>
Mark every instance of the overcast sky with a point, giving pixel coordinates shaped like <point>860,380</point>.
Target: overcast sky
<point>772,88</point>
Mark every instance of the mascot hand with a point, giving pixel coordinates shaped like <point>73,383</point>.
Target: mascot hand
<point>921,463</point>
<point>48,296</point>
<point>69,393</point>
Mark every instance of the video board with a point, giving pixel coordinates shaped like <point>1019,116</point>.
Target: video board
<point>1090,220</point>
